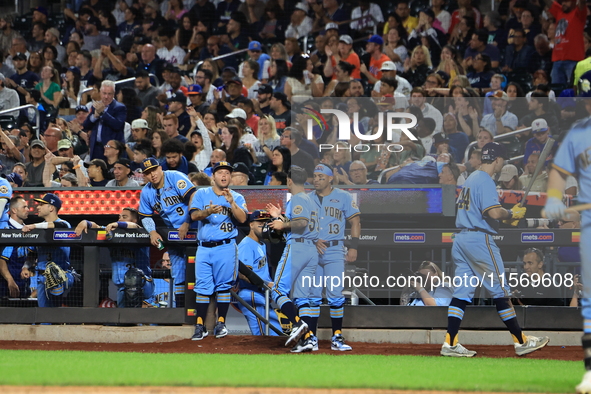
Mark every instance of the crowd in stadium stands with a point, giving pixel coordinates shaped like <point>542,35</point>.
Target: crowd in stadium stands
<point>193,82</point>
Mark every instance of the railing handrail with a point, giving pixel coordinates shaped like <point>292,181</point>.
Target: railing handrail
<point>225,55</point>
<point>496,137</point>
<point>86,90</point>
<point>6,111</point>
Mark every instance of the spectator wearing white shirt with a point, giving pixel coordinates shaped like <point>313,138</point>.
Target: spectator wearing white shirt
<point>500,121</point>
<point>418,97</point>
<point>371,13</point>
<point>170,52</point>
<point>301,23</point>
<point>403,87</point>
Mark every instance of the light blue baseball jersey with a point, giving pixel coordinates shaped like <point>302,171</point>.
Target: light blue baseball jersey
<point>574,157</point>
<point>58,254</point>
<point>5,192</point>
<point>477,197</point>
<point>334,211</point>
<point>253,254</point>
<point>301,206</point>
<point>171,201</point>
<point>219,226</point>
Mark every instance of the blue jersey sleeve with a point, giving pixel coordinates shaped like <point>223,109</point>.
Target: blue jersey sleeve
<point>183,185</point>
<point>351,209</point>
<point>240,201</point>
<point>565,157</point>
<point>146,207</point>
<point>197,203</point>
<point>488,196</point>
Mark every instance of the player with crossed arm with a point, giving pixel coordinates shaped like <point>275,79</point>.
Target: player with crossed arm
<point>298,261</point>
<point>124,257</point>
<point>572,158</point>
<point>216,264</point>
<point>14,259</point>
<point>336,208</point>
<point>169,193</point>
<point>475,253</point>
<point>48,208</point>
<point>252,252</point>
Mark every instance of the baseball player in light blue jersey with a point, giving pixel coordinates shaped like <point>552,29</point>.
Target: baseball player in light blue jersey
<point>295,270</point>
<point>169,193</point>
<point>217,209</point>
<point>336,208</point>
<point>48,208</point>
<point>475,254</point>
<point>122,258</point>
<point>572,158</point>
<point>252,252</point>
<point>5,196</point>
<point>14,259</point>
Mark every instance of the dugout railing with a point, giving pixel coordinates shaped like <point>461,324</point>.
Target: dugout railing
<point>393,241</point>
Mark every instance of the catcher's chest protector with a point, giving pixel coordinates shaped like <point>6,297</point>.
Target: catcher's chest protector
<point>133,283</point>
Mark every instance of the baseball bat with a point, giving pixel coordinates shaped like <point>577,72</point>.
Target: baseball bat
<point>257,314</point>
<point>575,208</point>
<point>539,166</point>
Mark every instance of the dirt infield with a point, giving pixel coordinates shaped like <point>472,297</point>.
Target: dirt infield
<point>274,345</point>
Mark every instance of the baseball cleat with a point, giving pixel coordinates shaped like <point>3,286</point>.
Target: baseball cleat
<point>314,340</point>
<point>532,344</point>
<point>338,343</point>
<point>456,351</point>
<point>220,330</point>
<point>200,332</point>
<point>303,346</point>
<point>297,331</point>
<point>585,386</point>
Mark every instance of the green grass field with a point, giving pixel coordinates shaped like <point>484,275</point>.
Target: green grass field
<point>64,368</point>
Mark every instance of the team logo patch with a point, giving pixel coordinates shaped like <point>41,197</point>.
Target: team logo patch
<point>354,205</point>
<point>262,262</point>
<point>297,210</point>
<point>3,189</point>
<point>181,184</point>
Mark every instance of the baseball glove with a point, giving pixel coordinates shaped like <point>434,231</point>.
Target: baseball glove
<point>55,277</point>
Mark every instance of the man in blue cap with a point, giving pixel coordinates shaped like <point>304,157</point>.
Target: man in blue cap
<point>377,58</point>
<point>475,254</point>
<point>255,52</point>
<point>197,98</point>
<point>48,208</point>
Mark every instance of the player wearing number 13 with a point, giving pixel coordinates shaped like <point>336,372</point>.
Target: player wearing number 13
<point>169,193</point>
<point>475,253</point>
<point>216,209</point>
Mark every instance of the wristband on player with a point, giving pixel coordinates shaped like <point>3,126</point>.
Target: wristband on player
<point>554,193</point>
<point>510,211</point>
<point>354,243</point>
<point>122,224</point>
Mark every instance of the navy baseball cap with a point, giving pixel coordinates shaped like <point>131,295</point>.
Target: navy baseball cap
<point>265,88</point>
<point>75,70</point>
<point>82,108</point>
<point>124,162</point>
<point>222,165</point>
<point>19,56</point>
<point>50,198</point>
<point>177,96</point>
<point>194,89</point>
<point>149,164</point>
<point>15,178</point>
<point>259,215</point>
<point>492,150</point>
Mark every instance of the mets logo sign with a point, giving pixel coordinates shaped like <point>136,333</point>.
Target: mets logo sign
<point>409,237</point>
<point>537,237</point>
<point>65,235</point>
<point>174,236</point>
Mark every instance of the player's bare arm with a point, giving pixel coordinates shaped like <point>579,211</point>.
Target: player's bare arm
<point>12,286</point>
<point>114,225</point>
<point>83,227</point>
<point>238,212</point>
<point>295,226</point>
<point>355,223</point>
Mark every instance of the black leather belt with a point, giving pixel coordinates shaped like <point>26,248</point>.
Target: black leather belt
<point>213,244</point>
<point>332,243</point>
